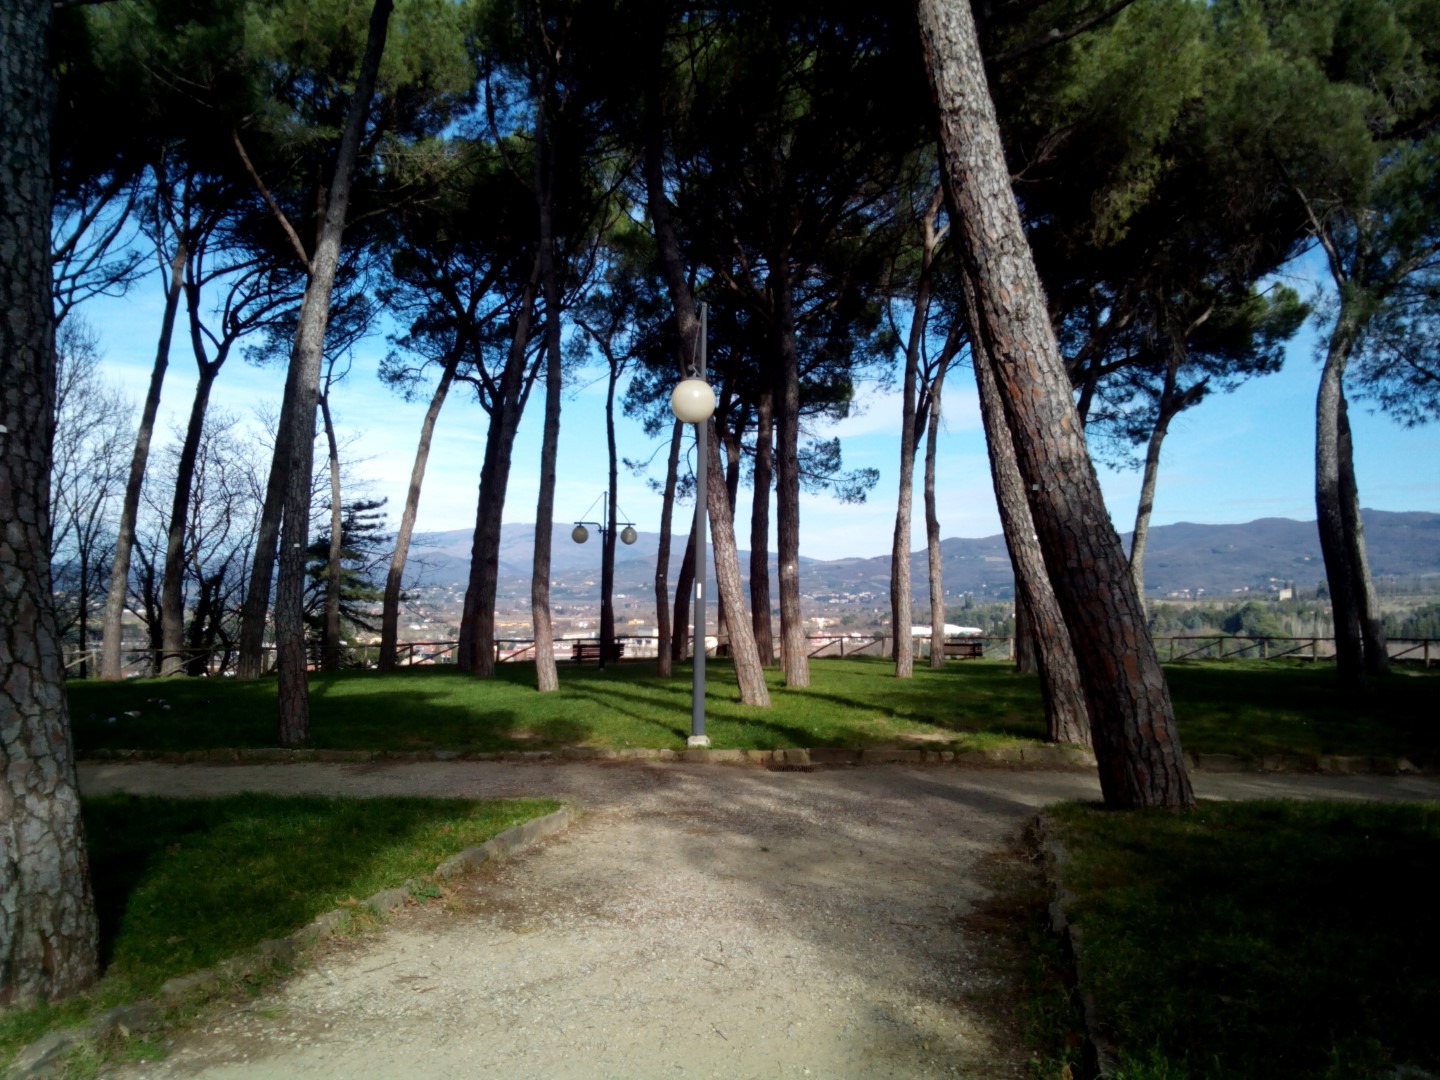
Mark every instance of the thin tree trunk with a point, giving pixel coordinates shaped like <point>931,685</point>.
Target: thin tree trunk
<point>305,357</point>
<point>760,528</point>
<point>901,617</point>
<point>932,524</point>
<point>664,666</point>
<point>47,914</point>
<point>749,673</point>
<point>731,440</point>
<point>684,589</point>
<point>1345,589</point>
<point>607,542</point>
<point>395,576</point>
<point>112,620</point>
<point>250,660</point>
<point>547,677</point>
<point>172,597</point>
<point>330,635</point>
<point>1151,473</point>
<point>794,661</point>
<point>476,649</point>
<point>1136,742</point>
<point>1372,629</point>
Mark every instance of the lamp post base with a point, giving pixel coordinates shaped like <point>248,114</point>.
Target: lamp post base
<point>698,741</point>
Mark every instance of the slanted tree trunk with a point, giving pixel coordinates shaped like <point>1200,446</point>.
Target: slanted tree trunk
<point>1372,629</point>
<point>794,660</point>
<point>547,677</point>
<point>395,576</point>
<point>932,525</point>
<point>1040,630</point>
<point>664,665</point>
<point>305,356</point>
<point>760,528</point>
<point>731,439</point>
<point>684,588</point>
<point>1170,404</point>
<point>1133,725</point>
<point>901,618</point>
<point>111,624</point>
<point>330,633</point>
<point>47,914</point>
<point>749,673</point>
<point>1340,569</point>
<point>476,649</point>
<point>172,599</point>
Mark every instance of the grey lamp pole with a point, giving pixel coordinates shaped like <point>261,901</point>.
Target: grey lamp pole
<point>693,402</point>
<point>606,526</point>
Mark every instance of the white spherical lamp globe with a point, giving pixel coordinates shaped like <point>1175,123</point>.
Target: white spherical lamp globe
<point>628,535</point>
<point>692,401</point>
<point>579,534</point>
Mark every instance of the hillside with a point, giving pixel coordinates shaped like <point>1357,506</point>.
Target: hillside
<point>1182,557</point>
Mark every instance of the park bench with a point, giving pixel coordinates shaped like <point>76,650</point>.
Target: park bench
<point>964,650</point>
<point>590,650</point>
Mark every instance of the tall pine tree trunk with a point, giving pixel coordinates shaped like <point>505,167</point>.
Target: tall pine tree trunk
<point>476,649</point>
<point>607,542</point>
<point>395,576</point>
<point>1040,630</point>
<point>794,658</point>
<point>305,356</point>
<point>1146,505</point>
<point>1133,725</point>
<point>112,620</point>
<point>1340,569</point>
<point>1372,629</point>
<point>684,589</point>
<point>934,560</point>
<point>172,597</point>
<point>330,631</point>
<point>749,673</point>
<point>901,617</point>
<point>760,528</point>
<point>547,677</point>
<point>47,913</point>
<point>664,666</point>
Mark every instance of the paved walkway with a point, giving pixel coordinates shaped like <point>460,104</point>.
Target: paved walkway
<point>698,921</point>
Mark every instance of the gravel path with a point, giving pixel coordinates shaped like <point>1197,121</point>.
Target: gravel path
<point>697,921</point>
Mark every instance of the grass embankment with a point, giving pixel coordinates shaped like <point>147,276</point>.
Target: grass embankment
<point>1260,939</point>
<point>1236,707</point>
<point>181,884</point>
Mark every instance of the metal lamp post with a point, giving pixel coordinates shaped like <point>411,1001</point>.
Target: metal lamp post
<point>580,534</point>
<point>693,401</point>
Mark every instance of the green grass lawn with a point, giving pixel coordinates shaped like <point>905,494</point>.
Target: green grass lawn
<point>181,884</point>
<point>1243,707</point>
<point>1262,939</point>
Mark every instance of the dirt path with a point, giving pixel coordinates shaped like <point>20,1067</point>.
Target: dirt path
<point>698,921</point>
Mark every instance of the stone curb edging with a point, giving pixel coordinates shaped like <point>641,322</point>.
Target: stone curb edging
<point>50,1051</point>
<point>1099,1053</point>
<point>1034,757</point>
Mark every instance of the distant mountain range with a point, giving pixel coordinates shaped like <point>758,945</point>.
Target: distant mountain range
<point>1181,557</point>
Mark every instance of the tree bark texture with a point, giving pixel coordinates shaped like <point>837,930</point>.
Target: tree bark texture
<point>760,528</point>
<point>112,620</point>
<point>1039,624</point>
<point>305,357</point>
<point>901,616</point>
<point>664,631</point>
<point>476,648</point>
<point>935,563</point>
<point>607,541</point>
<point>1340,569</point>
<point>547,677</point>
<point>395,575</point>
<point>1151,473</point>
<point>172,594</point>
<point>47,914</point>
<point>1372,629</point>
<point>794,658</point>
<point>330,632</point>
<point>1133,725</point>
<point>749,672</point>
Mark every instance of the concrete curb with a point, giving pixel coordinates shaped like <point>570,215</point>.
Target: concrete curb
<point>1100,1058</point>
<point>47,1055</point>
<point>1024,757</point>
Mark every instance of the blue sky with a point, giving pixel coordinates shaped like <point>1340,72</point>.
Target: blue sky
<point>1234,458</point>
